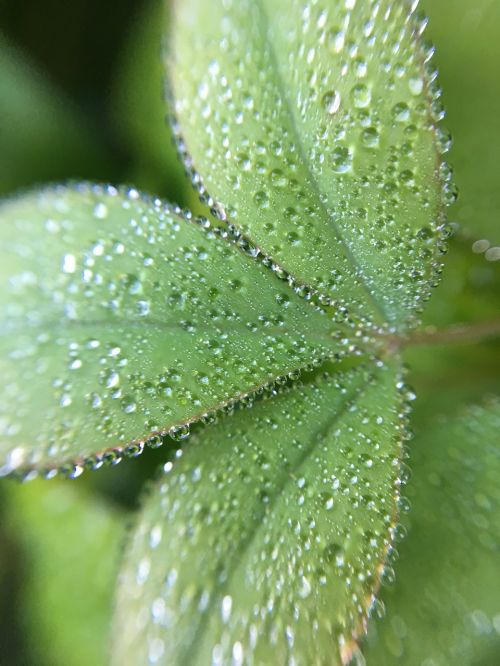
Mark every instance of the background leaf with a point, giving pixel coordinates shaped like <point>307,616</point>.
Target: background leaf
<point>264,540</point>
<point>468,291</point>
<point>138,110</point>
<point>42,135</point>
<point>121,320</point>
<point>314,129</point>
<point>469,60</point>
<point>68,545</point>
<point>445,606</point>
<point>468,56</point>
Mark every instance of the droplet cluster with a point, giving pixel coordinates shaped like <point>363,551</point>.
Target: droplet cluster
<point>134,321</point>
<point>314,127</point>
<point>287,532</point>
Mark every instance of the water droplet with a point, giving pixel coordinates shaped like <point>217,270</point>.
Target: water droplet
<point>401,112</point>
<point>480,246</point>
<point>261,199</point>
<point>143,308</point>
<point>226,607</point>
<point>416,85</point>
<point>100,211</point>
<point>331,101</point>
<point>342,159</point>
<point>112,379</point>
<point>492,254</point>
<point>336,40</point>
<point>304,588</point>
<point>278,178</point>
<point>361,96</point>
<point>370,137</point>
<point>179,432</point>
<point>68,263</point>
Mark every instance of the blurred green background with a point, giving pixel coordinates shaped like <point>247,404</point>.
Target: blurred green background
<point>81,98</point>
<point>81,95</point>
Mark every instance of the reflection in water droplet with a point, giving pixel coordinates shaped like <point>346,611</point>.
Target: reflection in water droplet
<point>68,263</point>
<point>331,101</point>
<point>100,211</point>
<point>342,159</point>
<point>361,96</point>
<point>370,137</point>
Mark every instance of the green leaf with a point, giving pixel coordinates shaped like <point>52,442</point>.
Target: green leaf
<point>314,130</point>
<point>445,606</point>
<point>69,545</point>
<point>121,320</point>
<point>264,540</point>
<point>468,53</point>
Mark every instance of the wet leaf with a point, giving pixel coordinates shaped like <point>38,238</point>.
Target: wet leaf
<point>69,549</point>
<point>313,127</point>
<point>445,605</point>
<point>122,320</point>
<point>264,540</point>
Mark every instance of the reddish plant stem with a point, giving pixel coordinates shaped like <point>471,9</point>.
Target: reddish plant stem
<point>458,334</point>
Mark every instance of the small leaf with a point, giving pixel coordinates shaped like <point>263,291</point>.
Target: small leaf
<point>264,541</point>
<point>122,321</point>
<point>445,606</point>
<point>69,545</point>
<point>314,129</point>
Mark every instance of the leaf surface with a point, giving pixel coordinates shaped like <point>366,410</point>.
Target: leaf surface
<point>121,320</point>
<point>445,605</point>
<point>264,541</point>
<point>313,127</point>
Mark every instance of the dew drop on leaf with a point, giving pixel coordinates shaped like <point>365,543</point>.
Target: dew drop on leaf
<point>276,528</point>
<point>131,322</point>
<point>344,104</point>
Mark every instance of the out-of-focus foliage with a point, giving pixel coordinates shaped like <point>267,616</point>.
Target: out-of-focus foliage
<point>137,109</point>
<point>444,607</point>
<point>468,56</point>
<point>42,134</point>
<point>68,545</point>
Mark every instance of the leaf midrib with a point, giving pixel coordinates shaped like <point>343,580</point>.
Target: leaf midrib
<point>378,307</point>
<point>240,329</point>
